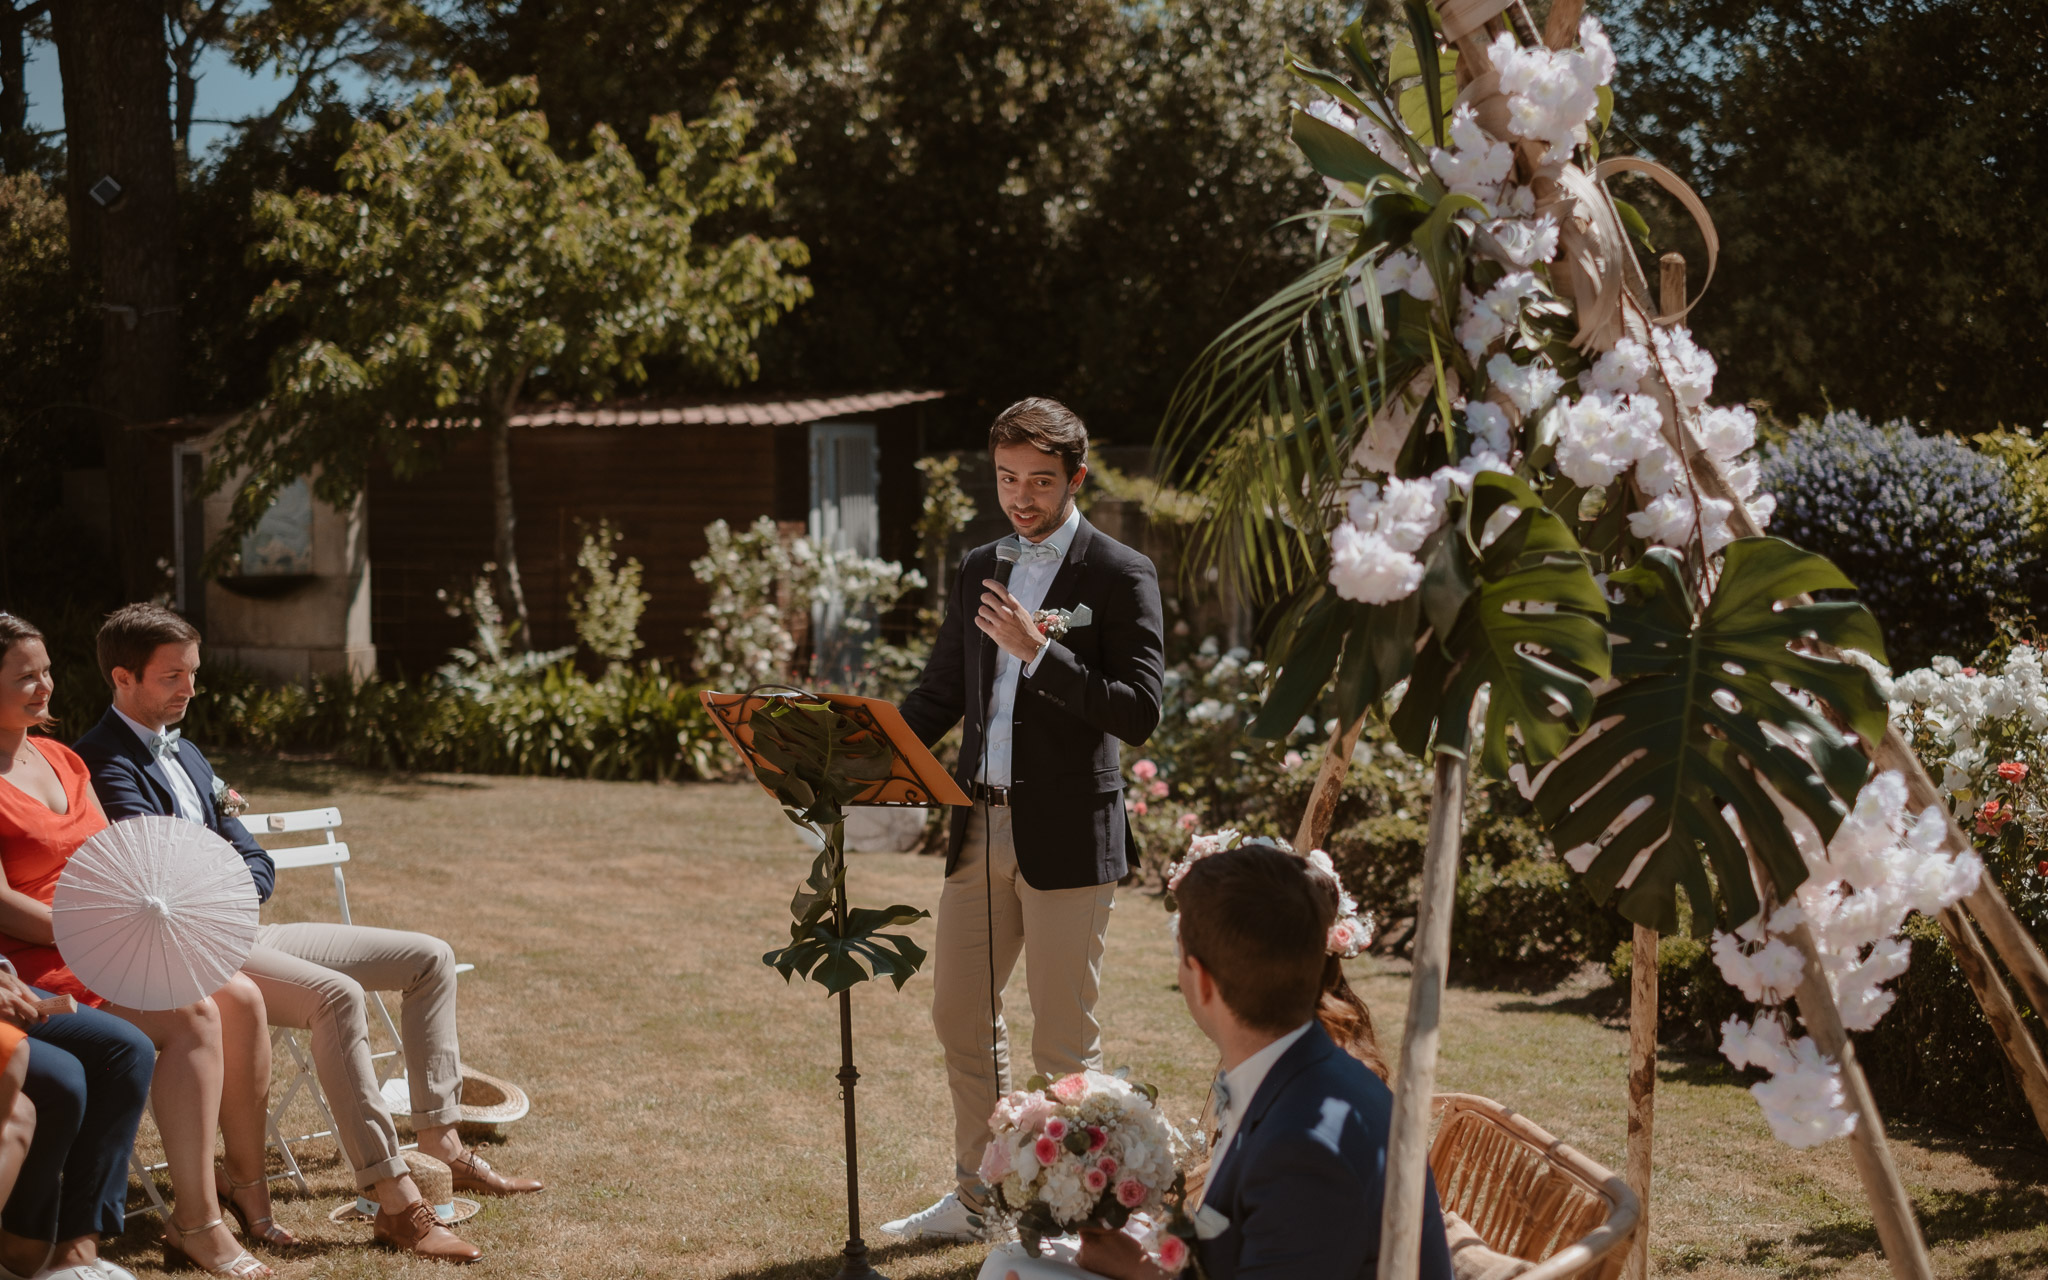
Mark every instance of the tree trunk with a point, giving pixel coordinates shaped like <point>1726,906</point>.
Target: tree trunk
<point>113,58</point>
<point>505,543</point>
<point>17,148</point>
<point>1415,1085</point>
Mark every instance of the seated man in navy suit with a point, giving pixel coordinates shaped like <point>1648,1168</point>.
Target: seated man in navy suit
<point>312,976</point>
<point>1299,1170</point>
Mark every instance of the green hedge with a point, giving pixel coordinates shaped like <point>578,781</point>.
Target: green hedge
<point>633,722</point>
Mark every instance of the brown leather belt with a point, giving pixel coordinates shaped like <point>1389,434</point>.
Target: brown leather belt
<point>995,797</point>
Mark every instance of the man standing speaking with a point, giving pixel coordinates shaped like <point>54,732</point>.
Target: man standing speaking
<point>1052,651</point>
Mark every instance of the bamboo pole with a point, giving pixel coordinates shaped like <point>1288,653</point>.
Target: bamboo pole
<point>1898,1231</point>
<point>1408,1143</point>
<point>1642,1091</point>
<point>1329,788</point>
<point>1642,987</point>
<point>2019,1047</point>
<point>2022,955</point>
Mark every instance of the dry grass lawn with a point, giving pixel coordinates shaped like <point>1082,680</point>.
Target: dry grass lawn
<point>685,1113</point>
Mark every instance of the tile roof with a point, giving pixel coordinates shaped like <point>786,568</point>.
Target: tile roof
<point>752,413</point>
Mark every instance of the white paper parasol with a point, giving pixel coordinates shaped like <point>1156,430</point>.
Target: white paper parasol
<point>154,913</point>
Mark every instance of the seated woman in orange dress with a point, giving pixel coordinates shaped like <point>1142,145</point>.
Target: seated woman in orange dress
<point>47,810</point>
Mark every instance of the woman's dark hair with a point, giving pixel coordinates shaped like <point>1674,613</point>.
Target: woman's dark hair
<point>13,630</point>
<point>1347,1020</point>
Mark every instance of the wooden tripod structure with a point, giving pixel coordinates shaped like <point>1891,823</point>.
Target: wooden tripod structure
<point>1470,26</point>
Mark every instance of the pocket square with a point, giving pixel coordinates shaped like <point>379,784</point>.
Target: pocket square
<point>1209,1224</point>
<point>1083,615</point>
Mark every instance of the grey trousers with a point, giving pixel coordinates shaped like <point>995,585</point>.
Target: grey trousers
<point>313,977</point>
<point>1060,933</point>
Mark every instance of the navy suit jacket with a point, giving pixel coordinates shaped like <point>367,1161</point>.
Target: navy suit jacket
<point>1094,686</point>
<point>131,783</point>
<point>1304,1181</point>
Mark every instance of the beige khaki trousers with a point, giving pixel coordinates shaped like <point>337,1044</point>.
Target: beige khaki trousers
<point>313,977</point>
<point>1060,932</point>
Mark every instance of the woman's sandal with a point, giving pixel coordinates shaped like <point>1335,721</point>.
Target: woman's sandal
<point>243,1266</point>
<point>264,1228</point>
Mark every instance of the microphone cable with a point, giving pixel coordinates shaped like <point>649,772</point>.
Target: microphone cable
<point>1007,554</point>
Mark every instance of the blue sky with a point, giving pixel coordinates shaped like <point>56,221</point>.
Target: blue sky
<point>226,92</point>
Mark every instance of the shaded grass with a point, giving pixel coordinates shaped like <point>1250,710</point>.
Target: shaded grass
<point>686,1113</point>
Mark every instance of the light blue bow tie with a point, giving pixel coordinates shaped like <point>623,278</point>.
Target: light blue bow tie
<point>165,744</point>
<point>1221,1092</point>
<point>1038,552</point>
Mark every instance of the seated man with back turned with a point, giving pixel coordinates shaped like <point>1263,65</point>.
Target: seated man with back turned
<point>1298,1173</point>
<point>312,975</point>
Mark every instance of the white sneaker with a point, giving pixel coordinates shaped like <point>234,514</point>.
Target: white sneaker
<point>112,1272</point>
<point>949,1220</point>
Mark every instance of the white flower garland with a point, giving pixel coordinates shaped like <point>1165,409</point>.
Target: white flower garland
<point>1350,933</point>
<point>1882,865</point>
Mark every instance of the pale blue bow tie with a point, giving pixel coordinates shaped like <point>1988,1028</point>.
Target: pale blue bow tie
<point>1038,552</point>
<point>165,744</point>
<point>1221,1092</point>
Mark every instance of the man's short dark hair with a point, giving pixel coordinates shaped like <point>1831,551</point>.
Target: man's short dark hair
<point>1045,425</point>
<point>1260,926</point>
<point>134,632</point>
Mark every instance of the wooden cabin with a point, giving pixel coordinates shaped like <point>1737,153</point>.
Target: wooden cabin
<point>837,467</point>
<point>320,591</point>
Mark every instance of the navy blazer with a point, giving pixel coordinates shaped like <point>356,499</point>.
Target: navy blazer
<point>1096,685</point>
<point>1304,1181</point>
<point>131,783</point>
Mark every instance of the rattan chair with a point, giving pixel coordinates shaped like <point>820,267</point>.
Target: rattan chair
<point>1540,1210</point>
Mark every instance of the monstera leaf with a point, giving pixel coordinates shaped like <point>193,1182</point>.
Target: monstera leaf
<point>1522,615</point>
<point>1714,706</point>
<point>821,759</point>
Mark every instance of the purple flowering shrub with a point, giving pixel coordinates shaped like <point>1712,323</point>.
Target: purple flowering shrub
<point>1932,532</point>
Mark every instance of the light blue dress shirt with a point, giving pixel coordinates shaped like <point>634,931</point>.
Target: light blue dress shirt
<point>184,795</point>
<point>1029,583</point>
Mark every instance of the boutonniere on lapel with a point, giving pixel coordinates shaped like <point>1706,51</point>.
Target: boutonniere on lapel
<point>227,800</point>
<point>1054,623</point>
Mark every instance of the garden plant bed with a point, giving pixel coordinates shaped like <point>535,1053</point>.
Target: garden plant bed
<point>686,1118</point>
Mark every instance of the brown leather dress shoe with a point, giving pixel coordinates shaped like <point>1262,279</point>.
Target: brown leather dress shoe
<point>472,1174</point>
<point>414,1229</point>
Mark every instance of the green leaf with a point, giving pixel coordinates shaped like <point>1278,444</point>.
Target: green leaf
<point>1638,229</point>
<point>1422,29</point>
<point>1336,154</point>
<point>1310,655</point>
<point>1532,628</point>
<point>1702,720</point>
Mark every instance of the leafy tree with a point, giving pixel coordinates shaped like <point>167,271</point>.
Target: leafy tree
<point>1875,171</point>
<point>466,265</point>
<point>1054,198</point>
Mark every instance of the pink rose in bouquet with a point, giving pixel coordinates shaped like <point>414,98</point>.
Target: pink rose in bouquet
<point>1085,1150</point>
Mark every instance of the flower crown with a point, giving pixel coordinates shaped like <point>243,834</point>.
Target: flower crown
<point>1349,934</point>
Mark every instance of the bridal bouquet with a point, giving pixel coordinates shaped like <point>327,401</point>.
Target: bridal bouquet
<point>1085,1150</point>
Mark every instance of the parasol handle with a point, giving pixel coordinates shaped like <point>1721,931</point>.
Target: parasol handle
<point>53,1005</point>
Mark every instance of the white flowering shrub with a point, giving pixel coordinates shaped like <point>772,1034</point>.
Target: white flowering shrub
<point>761,582</point>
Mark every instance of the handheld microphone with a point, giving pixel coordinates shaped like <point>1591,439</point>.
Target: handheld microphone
<point>1008,552</point>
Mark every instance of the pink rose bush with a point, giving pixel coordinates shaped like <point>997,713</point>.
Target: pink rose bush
<point>1088,1149</point>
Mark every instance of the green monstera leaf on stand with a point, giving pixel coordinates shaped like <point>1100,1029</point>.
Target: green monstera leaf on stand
<point>822,759</point>
<point>1522,615</point>
<point>1714,705</point>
